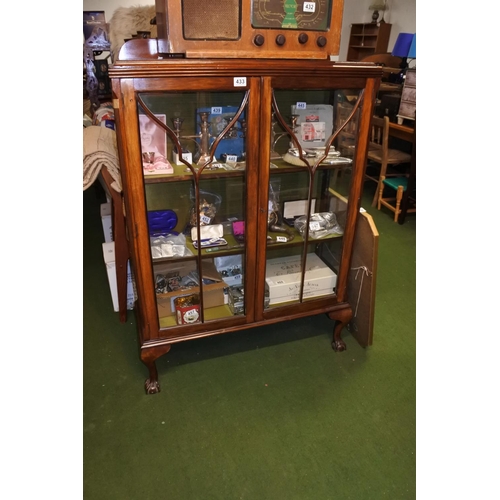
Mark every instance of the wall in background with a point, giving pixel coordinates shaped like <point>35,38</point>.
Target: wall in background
<point>401,13</point>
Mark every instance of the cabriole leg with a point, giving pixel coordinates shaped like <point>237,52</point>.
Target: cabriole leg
<point>149,357</point>
<point>341,318</point>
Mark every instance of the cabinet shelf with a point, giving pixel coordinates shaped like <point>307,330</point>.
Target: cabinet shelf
<point>233,247</point>
<point>183,174</point>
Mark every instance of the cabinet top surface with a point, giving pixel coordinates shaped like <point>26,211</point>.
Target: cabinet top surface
<point>249,67</point>
<point>140,58</point>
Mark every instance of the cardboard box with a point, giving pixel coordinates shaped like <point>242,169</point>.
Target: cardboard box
<point>283,278</point>
<point>108,249</point>
<point>107,222</point>
<point>213,294</point>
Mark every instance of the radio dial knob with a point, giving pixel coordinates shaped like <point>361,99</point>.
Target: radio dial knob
<point>259,40</point>
<point>280,40</point>
<point>303,38</point>
<point>321,41</point>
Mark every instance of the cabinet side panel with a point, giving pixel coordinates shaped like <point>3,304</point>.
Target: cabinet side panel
<point>125,105</point>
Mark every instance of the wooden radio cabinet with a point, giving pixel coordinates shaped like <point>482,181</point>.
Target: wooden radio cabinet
<point>247,215</point>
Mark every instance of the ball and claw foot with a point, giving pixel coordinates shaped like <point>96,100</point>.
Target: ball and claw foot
<point>148,357</point>
<point>152,386</point>
<point>338,345</point>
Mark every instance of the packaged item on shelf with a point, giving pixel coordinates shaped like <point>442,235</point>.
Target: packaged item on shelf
<point>314,124</point>
<point>283,276</point>
<point>232,146</point>
<point>236,299</point>
<point>187,309</point>
<point>209,206</point>
<point>294,209</point>
<point>320,225</point>
<point>210,236</point>
<point>179,279</point>
<point>157,166</point>
<point>230,268</point>
<point>162,222</point>
<point>172,245</point>
<point>239,230</point>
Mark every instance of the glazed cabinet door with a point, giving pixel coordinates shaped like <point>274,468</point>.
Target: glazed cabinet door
<point>190,171</point>
<point>314,154</point>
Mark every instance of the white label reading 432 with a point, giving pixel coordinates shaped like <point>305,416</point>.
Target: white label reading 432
<point>240,81</point>
<point>309,7</point>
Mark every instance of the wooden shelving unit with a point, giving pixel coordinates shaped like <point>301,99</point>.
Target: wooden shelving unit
<point>367,39</point>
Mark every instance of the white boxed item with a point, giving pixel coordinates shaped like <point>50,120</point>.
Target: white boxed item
<point>107,221</point>
<point>315,124</point>
<point>108,249</point>
<point>186,155</point>
<point>283,278</point>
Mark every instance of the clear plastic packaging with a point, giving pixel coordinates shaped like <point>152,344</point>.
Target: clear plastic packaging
<point>169,246</point>
<point>321,224</point>
<point>209,206</point>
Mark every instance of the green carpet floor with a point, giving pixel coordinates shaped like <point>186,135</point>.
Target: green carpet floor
<point>267,413</point>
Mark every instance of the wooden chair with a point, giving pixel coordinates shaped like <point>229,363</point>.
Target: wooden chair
<point>393,202</point>
<point>380,153</point>
<point>346,140</point>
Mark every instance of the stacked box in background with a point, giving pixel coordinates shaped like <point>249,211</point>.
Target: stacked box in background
<point>107,221</point>
<point>108,250</point>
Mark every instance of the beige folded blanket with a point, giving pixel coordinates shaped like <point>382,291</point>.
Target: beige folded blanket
<point>100,150</point>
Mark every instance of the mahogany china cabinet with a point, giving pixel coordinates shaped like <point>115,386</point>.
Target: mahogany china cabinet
<point>232,170</point>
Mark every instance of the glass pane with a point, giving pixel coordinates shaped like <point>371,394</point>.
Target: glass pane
<point>193,148</point>
<point>313,144</point>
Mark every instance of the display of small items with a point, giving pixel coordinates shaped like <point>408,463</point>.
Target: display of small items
<point>207,213</point>
<point>231,269</point>
<point>173,282</point>
<point>236,270</point>
<point>236,299</point>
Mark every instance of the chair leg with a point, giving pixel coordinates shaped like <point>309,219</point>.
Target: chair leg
<point>399,197</point>
<point>380,192</point>
<point>375,196</point>
<point>382,175</point>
